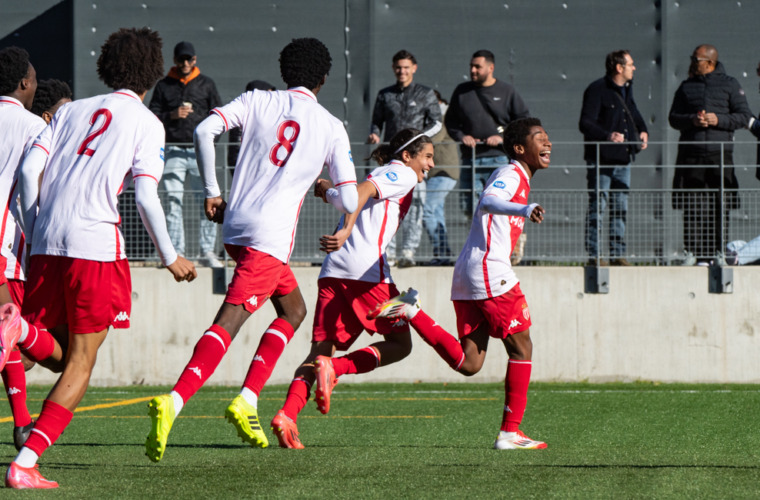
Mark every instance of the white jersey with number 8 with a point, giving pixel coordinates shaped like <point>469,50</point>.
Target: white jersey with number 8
<point>287,139</point>
<point>95,147</point>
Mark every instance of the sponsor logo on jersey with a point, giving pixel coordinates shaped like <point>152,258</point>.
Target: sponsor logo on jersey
<point>499,184</point>
<point>497,98</point>
<point>517,221</point>
<point>197,371</point>
<point>392,176</point>
<point>253,301</point>
<point>122,316</point>
<point>259,358</point>
<point>13,390</point>
<point>514,323</point>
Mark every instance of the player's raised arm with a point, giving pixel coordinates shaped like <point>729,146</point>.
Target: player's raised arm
<point>333,242</point>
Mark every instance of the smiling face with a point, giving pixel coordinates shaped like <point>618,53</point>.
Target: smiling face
<point>537,151</point>
<point>481,71</point>
<point>404,70</point>
<point>421,163</point>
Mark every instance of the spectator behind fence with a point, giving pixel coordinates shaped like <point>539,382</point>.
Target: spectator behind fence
<point>235,134</point>
<point>406,104</point>
<point>181,101</point>
<point>609,113</point>
<point>478,113</point>
<point>707,107</point>
<point>443,179</point>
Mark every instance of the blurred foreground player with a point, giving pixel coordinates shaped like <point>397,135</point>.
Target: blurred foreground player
<point>486,293</point>
<point>19,127</point>
<point>355,277</point>
<point>288,138</point>
<point>79,282</point>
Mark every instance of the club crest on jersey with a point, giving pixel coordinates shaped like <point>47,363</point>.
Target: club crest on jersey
<point>499,184</point>
<point>161,154</point>
<point>392,176</point>
<point>350,156</point>
<point>526,312</point>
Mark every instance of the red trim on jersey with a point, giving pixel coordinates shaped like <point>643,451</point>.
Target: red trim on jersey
<point>303,93</point>
<point>146,175</point>
<point>11,102</point>
<point>293,234</point>
<point>381,261</point>
<point>36,145</point>
<point>19,256</point>
<point>485,256</point>
<point>6,212</point>
<point>344,183</point>
<point>220,115</point>
<point>128,95</point>
<point>118,242</point>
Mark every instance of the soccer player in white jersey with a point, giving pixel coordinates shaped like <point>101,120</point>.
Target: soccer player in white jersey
<point>287,139</point>
<point>18,84</point>
<point>486,293</point>
<point>355,277</point>
<point>78,284</point>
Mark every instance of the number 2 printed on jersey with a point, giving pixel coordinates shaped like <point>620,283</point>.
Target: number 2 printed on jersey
<point>287,133</point>
<point>84,148</point>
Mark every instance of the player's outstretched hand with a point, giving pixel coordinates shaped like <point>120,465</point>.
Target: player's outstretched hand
<point>538,214</point>
<point>214,209</point>
<point>321,187</point>
<point>182,269</point>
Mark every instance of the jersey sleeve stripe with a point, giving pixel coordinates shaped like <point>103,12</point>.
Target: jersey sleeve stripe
<point>379,192</point>
<point>344,183</point>
<point>221,115</point>
<point>37,145</point>
<point>146,175</point>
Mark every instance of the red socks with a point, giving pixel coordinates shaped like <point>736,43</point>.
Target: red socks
<point>272,343</point>
<point>38,345</point>
<point>14,379</point>
<point>361,361</point>
<point>298,396</point>
<point>515,393</point>
<point>207,355</point>
<point>445,344</point>
<point>50,424</point>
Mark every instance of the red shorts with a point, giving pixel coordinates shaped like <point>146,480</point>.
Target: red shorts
<point>342,307</point>
<point>86,295</point>
<point>3,265</point>
<point>506,314</point>
<point>16,288</point>
<point>257,277</point>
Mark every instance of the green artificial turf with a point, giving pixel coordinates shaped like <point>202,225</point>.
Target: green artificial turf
<point>419,441</point>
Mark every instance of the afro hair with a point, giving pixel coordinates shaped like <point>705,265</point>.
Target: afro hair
<point>304,62</point>
<point>14,66</point>
<point>517,132</point>
<point>131,59</point>
<point>49,92</point>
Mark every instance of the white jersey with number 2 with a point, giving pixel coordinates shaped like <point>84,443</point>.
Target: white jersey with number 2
<point>95,147</point>
<point>287,139</point>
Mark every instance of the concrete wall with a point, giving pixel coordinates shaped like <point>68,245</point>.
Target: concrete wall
<point>655,324</point>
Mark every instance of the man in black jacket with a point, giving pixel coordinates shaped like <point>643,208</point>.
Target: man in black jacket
<point>707,108</point>
<point>609,114</point>
<point>181,101</point>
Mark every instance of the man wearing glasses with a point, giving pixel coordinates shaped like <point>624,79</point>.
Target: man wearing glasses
<point>707,107</point>
<point>181,101</point>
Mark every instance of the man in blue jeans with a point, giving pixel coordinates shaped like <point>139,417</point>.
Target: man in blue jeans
<point>478,113</point>
<point>181,101</point>
<point>609,114</point>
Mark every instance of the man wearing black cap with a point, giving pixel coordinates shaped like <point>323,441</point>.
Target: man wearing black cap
<point>181,101</point>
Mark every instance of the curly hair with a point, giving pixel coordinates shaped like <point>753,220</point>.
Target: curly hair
<point>304,62</point>
<point>387,152</point>
<point>49,92</point>
<point>131,59</point>
<point>516,133</point>
<point>14,66</point>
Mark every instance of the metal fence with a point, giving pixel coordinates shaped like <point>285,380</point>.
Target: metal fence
<point>654,228</point>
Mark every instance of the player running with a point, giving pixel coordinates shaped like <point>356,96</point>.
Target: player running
<point>486,293</point>
<point>79,283</point>
<point>288,137</point>
<point>18,84</point>
<point>355,277</point>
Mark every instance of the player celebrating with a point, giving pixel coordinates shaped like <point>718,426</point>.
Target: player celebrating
<point>18,83</point>
<point>486,293</point>
<point>79,284</point>
<point>355,277</point>
<point>287,139</point>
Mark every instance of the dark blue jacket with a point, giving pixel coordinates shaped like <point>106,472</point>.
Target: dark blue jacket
<point>603,113</point>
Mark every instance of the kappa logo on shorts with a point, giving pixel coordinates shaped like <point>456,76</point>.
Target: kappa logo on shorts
<point>514,323</point>
<point>254,301</point>
<point>122,316</point>
<point>392,176</point>
<point>499,184</point>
